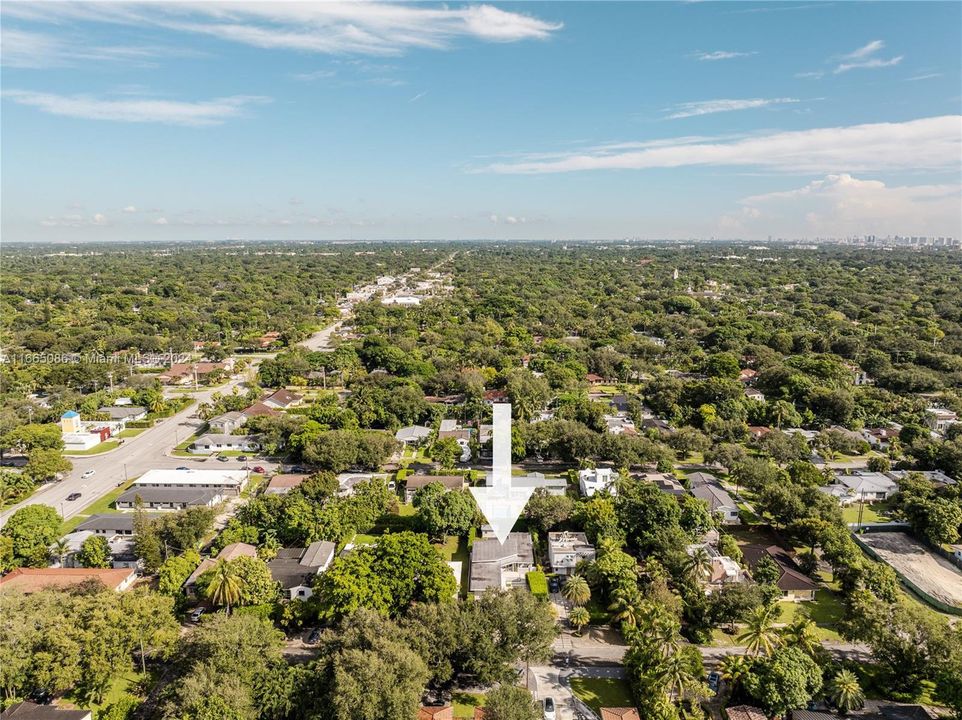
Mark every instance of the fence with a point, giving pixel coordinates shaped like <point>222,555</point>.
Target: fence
<point>937,604</point>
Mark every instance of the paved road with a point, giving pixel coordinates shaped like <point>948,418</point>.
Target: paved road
<point>321,340</point>
<point>136,456</point>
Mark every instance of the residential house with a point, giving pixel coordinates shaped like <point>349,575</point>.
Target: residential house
<point>621,404</point>
<point>168,498</point>
<point>793,584</point>
<point>754,394</point>
<point>282,399</point>
<point>187,373</point>
<point>414,483</point>
<point>124,413</point>
<point>554,485</point>
<point>665,482</point>
<point>294,569</point>
<point>413,434</point>
<point>29,580</point>
<point>32,711</point>
<point>567,549</point>
<point>747,376</point>
<point>594,379</point>
<point>226,423</point>
<point>873,710</point>
<point>259,408</point>
<point>705,486</point>
<point>436,712</point>
<point>110,524</point>
<point>933,476</point>
<point>861,486</point>
<point>881,438</point>
<point>594,480</point>
<point>347,481</point>
<point>501,567</point>
<point>121,547</point>
<point>745,712</point>
<point>284,483</point>
<point>228,482</point>
<point>228,553</point>
<point>620,425</point>
<point>723,571</point>
<point>619,713</point>
<point>495,396</point>
<point>939,419</point>
<point>212,443</point>
<point>758,431</point>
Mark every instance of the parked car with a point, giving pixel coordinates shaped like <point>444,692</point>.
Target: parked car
<point>714,678</point>
<point>196,614</point>
<point>549,711</point>
<point>87,473</point>
<point>298,469</point>
<point>242,458</point>
<point>73,496</point>
<point>554,584</point>
<point>223,458</point>
<point>183,467</point>
<point>314,636</point>
<point>259,469</point>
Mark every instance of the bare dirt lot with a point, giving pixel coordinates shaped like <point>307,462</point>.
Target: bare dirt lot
<point>933,574</point>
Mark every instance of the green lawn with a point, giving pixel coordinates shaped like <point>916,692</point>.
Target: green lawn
<point>122,684</point>
<point>130,432</point>
<point>825,612</point>
<point>99,507</point>
<point>406,509</point>
<point>602,692</point>
<point>364,539</point>
<point>870,513</point>
<point>97,450</point>
<point>465,703</point>
<point>456,549</point>
<point>181,450</point>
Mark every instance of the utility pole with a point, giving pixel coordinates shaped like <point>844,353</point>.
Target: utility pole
<point>861,508</point>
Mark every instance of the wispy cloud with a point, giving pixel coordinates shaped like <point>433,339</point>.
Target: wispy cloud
<point>866,57</point>
<point>136,110</point>
<point>27,49</point>
<point>814,74</point>
<point>710,107</point>
<point>418,96</point>
<point>924,76</point>
<point>370,28</point>
<point>925,144</point>
<point>722,55</point>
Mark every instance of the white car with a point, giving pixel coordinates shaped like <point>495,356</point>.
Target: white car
<point>87,474</point>
<point>549,711</point>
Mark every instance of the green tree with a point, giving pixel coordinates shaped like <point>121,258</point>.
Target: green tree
<point>94,552</point>
<point>845,692</point>
<point>257,585</point>
<point>175,570</point>
<point>579,617</point>
<point>223,584</point>
<point>576,590</point>
<point>32,530</point>
<point>546,511</point>
<point>445,451</point>
<point>760,635</point>
<point>45,464</point>
<point>510,702</point>
<point>783,681</point>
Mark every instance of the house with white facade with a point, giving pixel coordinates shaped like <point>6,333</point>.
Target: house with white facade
<point>861,486</point>
<point>567,549</point>
<point>213,443</point>
<point>594,480</point>
<point>501,567</point>
<point>706,486</point>
<point>227,482</point>
<point>294,569</point>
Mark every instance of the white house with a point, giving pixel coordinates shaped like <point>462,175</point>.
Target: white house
<point>227,423</point>
<point>227,482</point>
<point>939,419</point>
<point>211,443</point>
<point>567,549</point>
<point>596,479</point>
<point>413,434</point>
<point>502,567</point>
<point>861,487</point>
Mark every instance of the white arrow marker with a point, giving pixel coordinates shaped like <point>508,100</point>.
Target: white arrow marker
<point>500,502</point>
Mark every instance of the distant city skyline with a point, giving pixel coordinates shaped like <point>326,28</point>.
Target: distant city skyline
<point>214,120</point>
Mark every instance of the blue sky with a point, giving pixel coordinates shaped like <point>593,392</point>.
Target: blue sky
<point>148,121</point>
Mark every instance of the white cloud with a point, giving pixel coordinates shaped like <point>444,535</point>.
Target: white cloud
<point>130,209</point>
<point>169,112</point>
<point>161,221</point>
<point>842,204</point>
<point>865,57</point>
<point>814,74</point>
<point>26,49</point>
<point>710,107</point>
<point>100,219</point>
<point>418,96</point>
<point>372,28</point>
<point>722,55</point>
<point>926,144</point>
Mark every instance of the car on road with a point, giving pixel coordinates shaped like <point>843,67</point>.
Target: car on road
<point>183,467</point>
<point>314,636</point>
<point>88,473</point>
<point>73,496</point>
<point>196,614</point>
<point>242,458</point>
<point>258,469</point>
<point>298,469</point>
<point>223,458</point>
<point>549,711</point>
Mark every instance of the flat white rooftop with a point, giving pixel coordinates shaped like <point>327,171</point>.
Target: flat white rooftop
<point>172,478</point>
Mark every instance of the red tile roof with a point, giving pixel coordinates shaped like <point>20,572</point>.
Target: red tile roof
<point>33,579</point>
<point>436,713</point>
<point>620,713</point>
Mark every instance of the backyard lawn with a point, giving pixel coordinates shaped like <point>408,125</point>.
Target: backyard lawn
<point>602,692</point>
<point>825,612</point>
<point>465,703</point>
<point>870,513</point>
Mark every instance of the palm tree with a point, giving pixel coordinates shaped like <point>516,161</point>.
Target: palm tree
<point>801,633</point>
<point>225,585</point>
<point>734,668</point>
<point>625,608</point>
<point>60,548</point>
<point>698,565</point>
<point>576,590</point>
<point>676,674</point>
<point>845,692</point>
<point>760,635</point>
<point>579,617</point>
